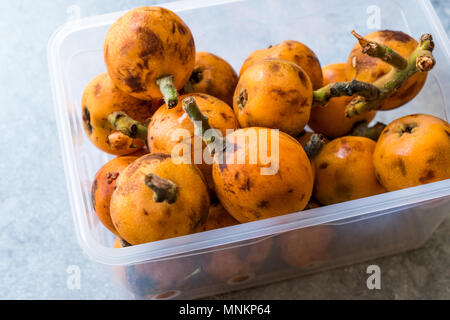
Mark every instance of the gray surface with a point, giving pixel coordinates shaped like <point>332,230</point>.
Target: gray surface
<point>37,238</point>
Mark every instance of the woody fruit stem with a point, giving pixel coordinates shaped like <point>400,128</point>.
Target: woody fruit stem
<point>202,127</point>
<point>420,60</point>
<point>370,96</point>
<point>362,129</point>
<point>339,89</point>
<point>164,190</point>
<point>120,121</point>
<point>168,90</point>
<point>315,145</point>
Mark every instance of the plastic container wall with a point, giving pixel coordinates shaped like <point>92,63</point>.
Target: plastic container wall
<point>272,249</point>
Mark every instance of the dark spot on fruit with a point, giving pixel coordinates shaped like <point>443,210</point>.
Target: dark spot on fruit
<point>279,92</point>
<point>167,212</point>
<point>162,223</point>
<point>279,174</point>
<point>97,89</point>
<point>343,191</point>
<point>303,78</point>
<point>263,204</point>
<point>197,75</point>
<point>304,103</point>
<point>289,44</point>
<point>228,190</point>
<point>236,176</point>
<point>323,165</point>
<point>313,58</point>
<point>401,165</point>
<point>364,63</point>
<point>87,119</point>
<point>297,59</point>
<point>295,102</point>
<point>302,197</point>
<point>274,67</point>
<point>181,29</point>
<point>210,86</point>
<point>194,221</point>
<point>224,116</point>
<point>428,176</point>
<point>150,42</point>
<point>376,74</point>
<point>174,28</point>
<point>242,99</point>
<point>246,186</point>
<point>134,83</point>
<point>378,177</point>
<point>158,156</point>
<point>388,35</point>
<point>191,43</point>
<point>140,65</point>
<point>111,177</point>
<point>145,213</point>
<point>201,96</point>
<point>256,214</point>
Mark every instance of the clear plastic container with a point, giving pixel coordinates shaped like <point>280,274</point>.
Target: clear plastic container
<point>260,252</point>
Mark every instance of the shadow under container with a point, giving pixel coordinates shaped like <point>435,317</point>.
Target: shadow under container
<point>260,252</point>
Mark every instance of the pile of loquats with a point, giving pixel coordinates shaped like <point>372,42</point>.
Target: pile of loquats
<point>157,86</point>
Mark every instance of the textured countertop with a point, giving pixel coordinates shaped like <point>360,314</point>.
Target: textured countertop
<point>37,237</point>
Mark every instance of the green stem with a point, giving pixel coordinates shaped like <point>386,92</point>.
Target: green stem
<point>163,189</point>
<point>201,125</point>
<point>128,126</point>
<point>315,145</point>
<point>168,90</point>
<point>425,60</point>
<point>420,60</point>
<point>362,129</point>
<point>378,50</point>
<point>339,89</point>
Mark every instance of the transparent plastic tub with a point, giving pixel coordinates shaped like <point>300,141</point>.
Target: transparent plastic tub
<point>265,251</point>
